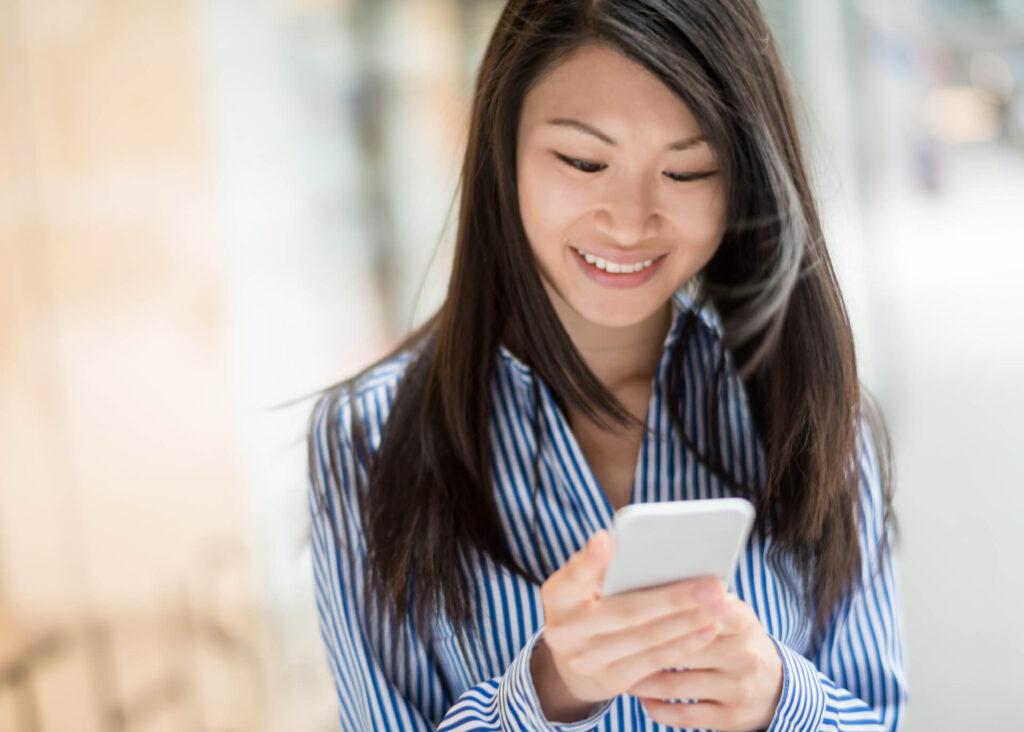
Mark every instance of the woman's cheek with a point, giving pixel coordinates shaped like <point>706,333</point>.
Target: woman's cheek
<point>541,196</point>
<point>702,217</point>
<point>559,203</point>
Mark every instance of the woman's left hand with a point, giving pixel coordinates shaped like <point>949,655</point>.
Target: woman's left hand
<point>736,679</point>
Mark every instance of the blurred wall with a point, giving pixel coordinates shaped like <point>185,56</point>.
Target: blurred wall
<point>116,430</point>
<point>120,495</point>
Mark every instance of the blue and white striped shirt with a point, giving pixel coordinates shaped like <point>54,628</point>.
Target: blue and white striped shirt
<point>855,680</point>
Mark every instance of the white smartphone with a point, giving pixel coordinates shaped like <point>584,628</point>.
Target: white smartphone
<point>667,541</point>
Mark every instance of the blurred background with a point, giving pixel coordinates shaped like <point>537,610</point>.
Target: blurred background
<point>211,207</point>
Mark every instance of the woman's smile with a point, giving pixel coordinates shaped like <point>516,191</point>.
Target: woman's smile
<point>609,273</point>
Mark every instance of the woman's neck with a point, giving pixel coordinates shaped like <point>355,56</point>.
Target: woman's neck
<point>619,357</point>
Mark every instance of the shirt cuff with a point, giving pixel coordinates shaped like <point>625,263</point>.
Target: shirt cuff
<point>802,702</point>
<point>518,702</point>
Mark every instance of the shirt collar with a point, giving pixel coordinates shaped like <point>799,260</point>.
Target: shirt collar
<point>681,301</point>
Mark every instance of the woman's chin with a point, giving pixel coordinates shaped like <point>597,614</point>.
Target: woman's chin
<point>613,315</point>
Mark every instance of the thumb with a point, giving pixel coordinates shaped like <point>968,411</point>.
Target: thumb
<point>586,564</point>
<point>598,547</point>
<point>595,556</point>
<point>598,551</point>
<point>581,575</point>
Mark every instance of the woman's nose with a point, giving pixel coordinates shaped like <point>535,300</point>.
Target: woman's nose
<point>629,215</point>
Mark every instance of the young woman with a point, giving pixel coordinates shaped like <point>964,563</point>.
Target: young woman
<point>642,308</point>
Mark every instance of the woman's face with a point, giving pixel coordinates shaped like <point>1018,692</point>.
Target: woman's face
<point>600,140</point>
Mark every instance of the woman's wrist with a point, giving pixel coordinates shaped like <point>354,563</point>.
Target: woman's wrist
<point>556,702</point>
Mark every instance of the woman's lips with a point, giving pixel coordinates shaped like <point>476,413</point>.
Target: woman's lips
<point>617,280</point>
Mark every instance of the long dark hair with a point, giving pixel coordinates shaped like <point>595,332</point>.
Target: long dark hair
<point>427,504</point>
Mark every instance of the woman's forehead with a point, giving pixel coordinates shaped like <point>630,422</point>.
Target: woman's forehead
<point>610,94</point>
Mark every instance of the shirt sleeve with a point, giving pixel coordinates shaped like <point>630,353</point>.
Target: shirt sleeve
<point>413,696</point>
<point>857,680</point>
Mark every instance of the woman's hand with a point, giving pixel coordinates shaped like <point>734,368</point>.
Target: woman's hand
<point>594,648</point>
<point>737,678</point>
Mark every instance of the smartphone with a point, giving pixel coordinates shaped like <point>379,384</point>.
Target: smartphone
<point>666,541</point>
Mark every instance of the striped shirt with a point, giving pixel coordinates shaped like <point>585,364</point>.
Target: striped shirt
<point>854,680</point>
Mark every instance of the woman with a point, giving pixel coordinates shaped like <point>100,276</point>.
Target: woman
<point>641,309</point>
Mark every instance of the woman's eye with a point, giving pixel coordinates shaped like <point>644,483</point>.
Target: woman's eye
<point>685,177</point>
<point>587,167</point>
<point>582,165</point>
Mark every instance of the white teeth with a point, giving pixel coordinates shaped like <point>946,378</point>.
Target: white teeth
<point>613,267</point>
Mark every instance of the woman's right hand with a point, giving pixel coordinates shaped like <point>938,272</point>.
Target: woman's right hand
<point>594,648</point>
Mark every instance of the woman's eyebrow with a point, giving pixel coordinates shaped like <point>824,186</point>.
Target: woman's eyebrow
<point>684,144</point>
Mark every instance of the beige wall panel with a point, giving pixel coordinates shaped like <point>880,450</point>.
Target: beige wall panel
<point>117,413</point>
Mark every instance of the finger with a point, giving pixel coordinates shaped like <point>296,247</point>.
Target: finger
<point>631,669</point>
<point>608,648</point>
<point>724,653</point>
<point>693,685</point>
<point>639,607</point>
<point>702,715</point>
<point>733,615</point>
<point>579,578</point>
